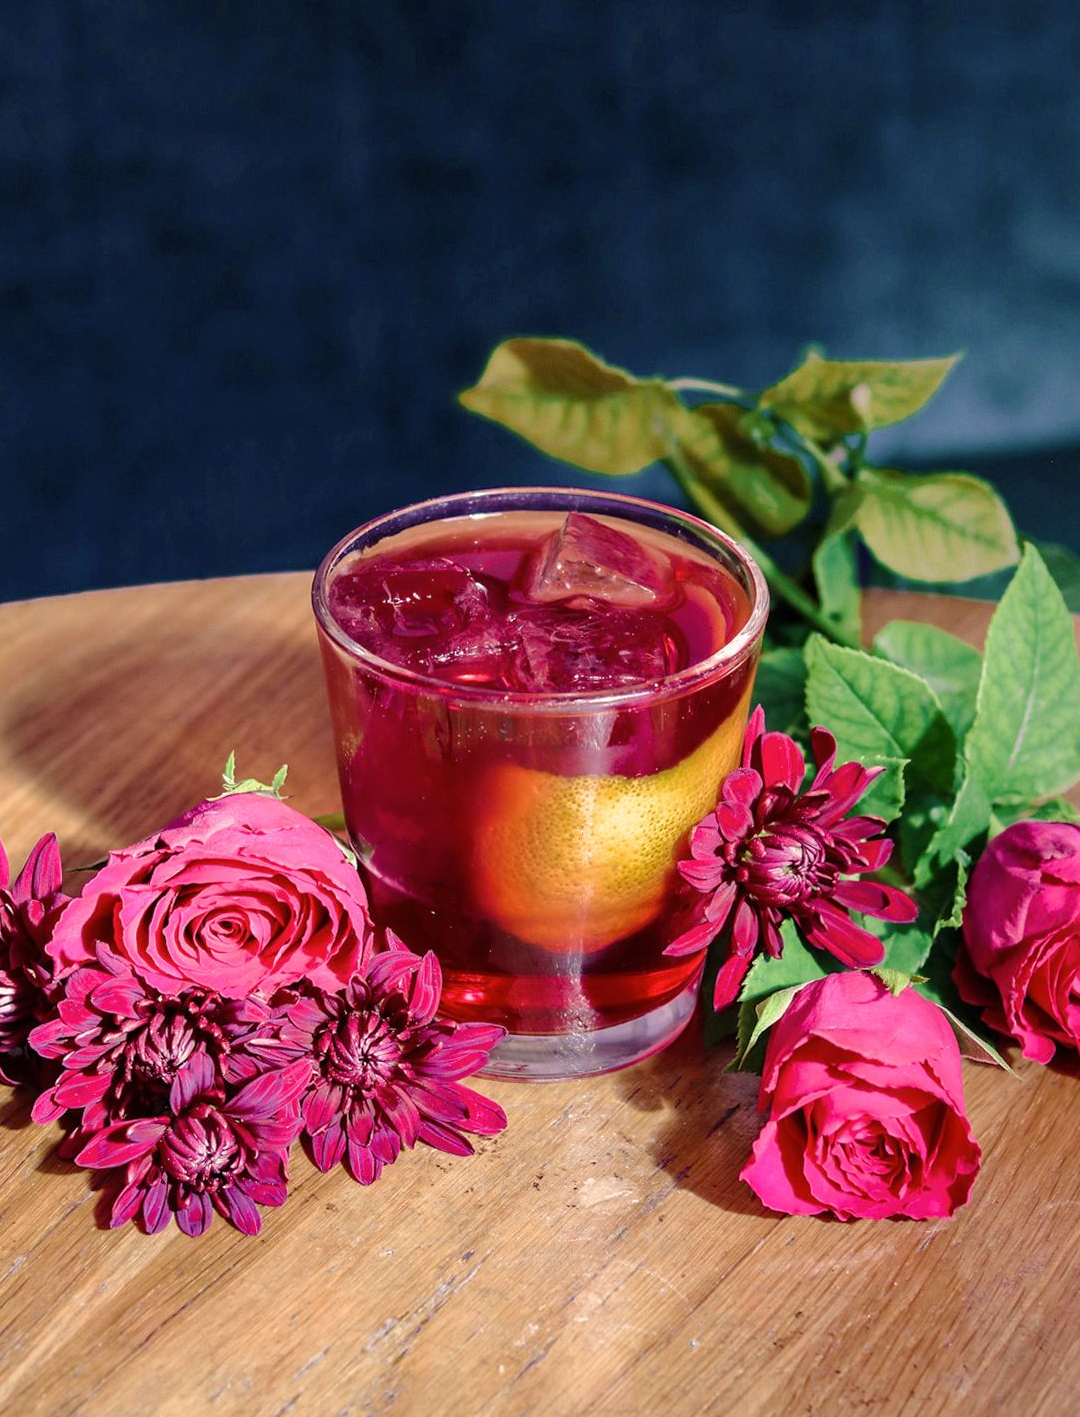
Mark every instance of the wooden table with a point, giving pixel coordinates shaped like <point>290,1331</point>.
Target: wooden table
<point>601,1256</point>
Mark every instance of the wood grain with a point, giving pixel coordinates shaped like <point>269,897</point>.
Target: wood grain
<point>599,1257</point>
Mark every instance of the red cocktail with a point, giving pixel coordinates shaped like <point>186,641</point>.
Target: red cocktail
<point>535,694</point>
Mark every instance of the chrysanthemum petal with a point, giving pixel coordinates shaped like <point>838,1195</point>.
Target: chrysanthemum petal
<point>42,875</point>
<point>718,906</point>
<point>323,1105</point>
<point>121,1143</point>
<point>426,989</point>
<point>118,995</point>
<point>125,1204</point>
<point>445,1139</point>
<point>271,1092</point>
<point>197,1076</point>
<point>328,1146</point>
<point>729,980</point>
<point>692,941</point>
<point>363,1166</point>
<point>846,785</point>
<point>155,1209</point>
<point>386,971</point>
<point>832,929</point>
<point>871,898</point>
<point>235,1206</point>
<point>755,727</point>
<point>781,761</point>
<point>823,747</point>
<point>744,929</point>
<point>195,1214</point>
<point>703,875</point>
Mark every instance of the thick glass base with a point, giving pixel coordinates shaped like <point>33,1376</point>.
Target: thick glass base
<point>554,1057</point>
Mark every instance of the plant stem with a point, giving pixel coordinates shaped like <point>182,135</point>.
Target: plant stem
<point>831,476</point>
<point>706,386</point>
<point>714,511</point>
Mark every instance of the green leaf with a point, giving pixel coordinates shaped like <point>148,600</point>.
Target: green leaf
<point>943,892</point>
<point>780,688</point>
<point>827,399</point>
<point>895,980</point>
<point>1065,569</point>
<point>906,946</point>
<point>938,526</point>
<point>1025,741</point>
<point>971,1033</point>
<point>765,1013</point>
<point>837,579</point>
<point>230,785</point>
<point>769,489</point>
<point>879,713</point>
<point>797,965</point>
<point>1054,809</point>
<point>571,405</point>
<point>966,820</point>
<point>949,665</point>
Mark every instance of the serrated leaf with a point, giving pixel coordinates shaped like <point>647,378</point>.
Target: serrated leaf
<point>949,665</point>
<point>765,1012</point>
<point>571,405</point>
<point>827,399</point>
<point>836,577</point>
<point>1065,569</point>
<point>967,819</point>
<point>1025,741</point>
<point>879,713</point>
<point>769,489</point>
<point>1054,809</point>
<point>780,688</point>
<point>230,787</point>
<point>895,980</point>
<point>938,526</point>
<point>971,1035</point>
<point>924,813</point>
<point>906,946</point>
<point>796,965</point>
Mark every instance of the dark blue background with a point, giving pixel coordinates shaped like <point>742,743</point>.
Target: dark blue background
<point>251,251</point>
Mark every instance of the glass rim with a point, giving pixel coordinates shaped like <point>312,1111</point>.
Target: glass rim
<point>728,657</point>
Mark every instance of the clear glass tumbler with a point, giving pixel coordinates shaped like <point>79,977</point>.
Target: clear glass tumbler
<point>525,831</point>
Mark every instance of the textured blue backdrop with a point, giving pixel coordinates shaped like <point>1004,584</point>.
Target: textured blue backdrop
<point>251,251</point>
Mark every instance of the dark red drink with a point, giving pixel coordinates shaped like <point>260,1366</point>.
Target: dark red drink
<point>533,702</point>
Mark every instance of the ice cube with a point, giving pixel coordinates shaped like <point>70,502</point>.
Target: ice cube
<point>557,649</point>
<point>586,557</point>
<point>427,614</point>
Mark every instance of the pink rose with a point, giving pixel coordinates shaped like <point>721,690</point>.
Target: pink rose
<point>238,894</point>
<point>1021,956</point>
<point>866,1106</point>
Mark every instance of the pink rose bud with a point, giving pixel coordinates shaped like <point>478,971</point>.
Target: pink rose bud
<point>866,1106</point>
<point>238,894</point>
<point>1021,956</point>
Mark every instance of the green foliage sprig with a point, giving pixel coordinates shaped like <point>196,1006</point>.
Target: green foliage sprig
<point>787,463</point>
<point>970,742</point>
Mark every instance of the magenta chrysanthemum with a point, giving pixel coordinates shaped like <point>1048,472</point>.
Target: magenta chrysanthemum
<point>127,1051</point>
<point>27,911</point>
<point>225,1155</point>
<point>386,1070</point>
<point>772,851</point>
